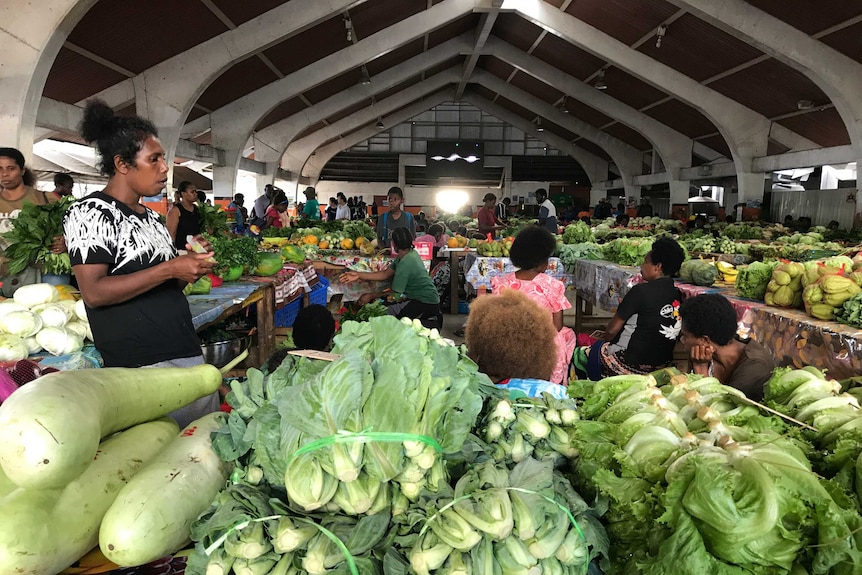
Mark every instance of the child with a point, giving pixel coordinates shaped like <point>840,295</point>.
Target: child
<point>530,252</point>
<point>313,328</point>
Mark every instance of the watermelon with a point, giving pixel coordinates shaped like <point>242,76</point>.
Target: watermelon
<point>232,274</point>
<point>270,264</point>
<point>292,254</point>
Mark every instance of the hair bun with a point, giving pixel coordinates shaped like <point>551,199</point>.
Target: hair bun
<point>98,121</point>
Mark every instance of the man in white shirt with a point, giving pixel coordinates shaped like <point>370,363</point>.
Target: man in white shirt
<point>547,211</point>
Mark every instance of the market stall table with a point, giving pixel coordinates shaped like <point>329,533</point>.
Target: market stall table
<point>793,337</point>
<point>483,269</point>
<point>232,297</point>
<point>333,266</point>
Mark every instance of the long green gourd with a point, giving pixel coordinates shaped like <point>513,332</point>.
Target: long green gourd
<point>43,531</point>
<point>151,516</point>
<point>50,428</point>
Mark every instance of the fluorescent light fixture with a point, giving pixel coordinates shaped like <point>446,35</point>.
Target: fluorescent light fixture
<point>600,81</point>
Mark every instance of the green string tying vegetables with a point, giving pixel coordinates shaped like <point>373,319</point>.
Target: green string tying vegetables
<point>563,508</point>
<point>365,436</point>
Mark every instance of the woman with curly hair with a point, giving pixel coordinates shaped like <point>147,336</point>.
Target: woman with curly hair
<point>509,337</point>
<point>642,334</point>
<point>129,272</point>
<point>531,250</point>
<point>709,337</point>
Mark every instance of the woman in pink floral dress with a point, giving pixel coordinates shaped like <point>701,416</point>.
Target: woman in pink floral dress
<point>530,252</point>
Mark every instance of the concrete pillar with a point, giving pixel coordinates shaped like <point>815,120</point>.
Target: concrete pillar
<point>224,182</point>
<point>857,218</point>
<point>751,186</point>
<point>679,191</point>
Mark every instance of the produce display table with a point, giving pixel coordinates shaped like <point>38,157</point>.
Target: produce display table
<point>483,269</point>
<point>794,338</point>
<point>332,267</point>
<point>232,297</point>
<point>455,255</point>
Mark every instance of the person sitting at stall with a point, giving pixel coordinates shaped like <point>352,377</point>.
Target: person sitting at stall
<point>620,211</point>
<point>435,235</point>
<point>277,207</point>
<point>622,221</point>
<point>312,329</point>
<point>709,337</point>
<point>641,335</point>
<point>530,252</point>
<point>184,219</point>
<point>508,336</point>
<point>645,209</point>
<point>412,293</point>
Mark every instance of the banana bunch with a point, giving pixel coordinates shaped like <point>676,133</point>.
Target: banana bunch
<point>727,271</point>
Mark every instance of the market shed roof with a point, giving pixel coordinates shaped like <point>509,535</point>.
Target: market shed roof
<point>518,59</point>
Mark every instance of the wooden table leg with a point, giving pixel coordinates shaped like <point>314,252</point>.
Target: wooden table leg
<point>453,282</point>
<point>265,326</point>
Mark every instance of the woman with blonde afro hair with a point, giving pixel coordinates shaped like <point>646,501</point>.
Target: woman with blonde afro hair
<point>513,341</point>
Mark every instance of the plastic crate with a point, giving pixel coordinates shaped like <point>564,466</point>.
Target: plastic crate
<point>318,293</point>
<point>285,316</point>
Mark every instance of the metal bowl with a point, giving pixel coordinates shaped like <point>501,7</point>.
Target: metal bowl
<point>221,353</point>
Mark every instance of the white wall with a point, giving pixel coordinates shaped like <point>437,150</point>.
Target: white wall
<point>417,196</point>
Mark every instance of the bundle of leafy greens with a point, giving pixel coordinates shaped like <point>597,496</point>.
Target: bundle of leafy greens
<point>569,254</point>
<point>33,231</point>
<point>577,233</point>
<point>306,498</point>
<point>751,281</point>
<point>627,252</point>
<point>233,251</point>
<point>355,312</point>
<point>723,489</point>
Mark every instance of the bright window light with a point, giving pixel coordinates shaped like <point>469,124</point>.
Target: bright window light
<point>451,201</point>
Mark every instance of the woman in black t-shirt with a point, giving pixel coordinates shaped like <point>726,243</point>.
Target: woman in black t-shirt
<point>643,332</point>
<point>128,270</point>
<point>184,219</point>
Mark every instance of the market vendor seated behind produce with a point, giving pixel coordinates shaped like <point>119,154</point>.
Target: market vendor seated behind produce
<point>709,336</point>
<point>412,293</point>
<point>641,336</point>
<point>513,341</point>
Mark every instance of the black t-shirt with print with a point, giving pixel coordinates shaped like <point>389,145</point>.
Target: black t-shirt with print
<point>651,312</point>
<point>152,327</point>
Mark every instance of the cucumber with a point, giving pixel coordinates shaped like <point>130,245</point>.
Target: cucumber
<point>43,531</point>
<point>152,514</point>
<point>50,428</point>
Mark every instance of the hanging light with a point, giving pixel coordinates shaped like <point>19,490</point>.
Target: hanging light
<point>366,78</point>
<point>539,127</point>
<point>379,125</point>
<point>563,107</point>
<point>659,34</point>
<point>600,81</point>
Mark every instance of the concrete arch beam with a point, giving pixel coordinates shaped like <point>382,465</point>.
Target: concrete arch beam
<point>836,74</point>
<point>595,167</point>
<point>674,147</point>
<point>167,92</point>
<point>271,143</point>
<point>626,158</point>
<point>745,130</point>
<point>31,34</point>
<point>298,152</point>
<point>233,124</point>
<point>315,163</point>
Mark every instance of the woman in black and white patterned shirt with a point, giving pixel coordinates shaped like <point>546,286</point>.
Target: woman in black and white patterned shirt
<point>128,270</point>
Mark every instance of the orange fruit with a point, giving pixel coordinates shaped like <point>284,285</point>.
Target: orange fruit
<point>347,244</point>
<point>323,245</point>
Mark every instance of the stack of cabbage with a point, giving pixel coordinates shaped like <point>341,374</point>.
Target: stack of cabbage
<point>699,482</point>
<point>369,462</point>
<point>37,318</point>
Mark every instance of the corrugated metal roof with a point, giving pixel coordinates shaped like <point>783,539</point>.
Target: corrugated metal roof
<point>810,16</point>
<point>74,77</point>
<point>625,20</point>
